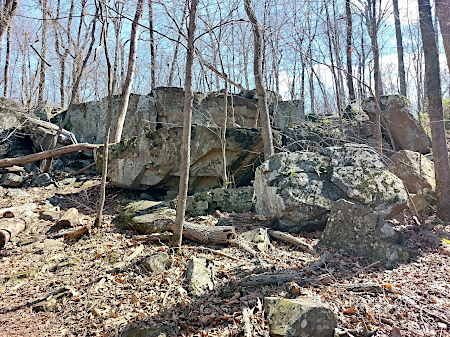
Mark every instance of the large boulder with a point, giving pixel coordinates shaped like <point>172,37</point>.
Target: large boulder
<point>153,159</point>
<point>299,188</point>
<point>164,107</point>
<point>360,231</point>
<point>404,128</point>
<point>299,317</point>
<point>416,171</point>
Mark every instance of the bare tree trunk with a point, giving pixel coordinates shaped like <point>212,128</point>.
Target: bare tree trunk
<point>401,62</point>
<point>187,116</point>
<point>121,113</point>
<point>152,44</point>
<point>43,54</point>
<point>175,53</point>
<point>443,12</point>
<point>433,92</point>
<point>112,78</point>
<point>7,12</point>
<point>48,163</point>
<point>351,89</point>
<point>258,73</point>
<point>7,61</point>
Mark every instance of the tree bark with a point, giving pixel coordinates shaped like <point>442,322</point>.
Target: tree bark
<point>187,116</point>
<point>43,54</point>
<point>443,12</point>
<point>349,76</point>
<point>7,162</point>
<point>258,73</point>
<point>10,227</point>
<point>401,62</point>
<point>152,44</point>
<point>121,113</point>
<point>7,61</point>
<point>7,13</point>
<point>218,235</point>
<point>434,98</point>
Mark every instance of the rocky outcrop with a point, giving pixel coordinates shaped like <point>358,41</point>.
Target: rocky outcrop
<point>164,107</point>
<point>416,171</point>
<point>360,231</point>
<point>198,275</point>
<point>153,159</point>
<point>299,317</point>
<point>299,188</point>
<point>404,128</point>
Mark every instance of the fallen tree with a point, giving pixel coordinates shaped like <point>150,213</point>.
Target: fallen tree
<point>17,219</point>
<point>7,162</point>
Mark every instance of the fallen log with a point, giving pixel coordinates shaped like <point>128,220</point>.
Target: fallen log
<point>292,240</point>
<point>16,211</point>
<point>68,219</point>
<point>10,227</point>
<point>76,234</point>
<point>264,279</point>
<point>218,235</point>
<point>48,154</point>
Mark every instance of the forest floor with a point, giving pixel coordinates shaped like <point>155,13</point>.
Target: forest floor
<point>411,299</point>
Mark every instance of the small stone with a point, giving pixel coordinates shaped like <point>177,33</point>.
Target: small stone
<point>49,215</point>
<point>51,245</point>
<point>299,317</point>
<point>42,179</point>
<point>198,274</point>
<point>259,237</point>
<point>68,181</point>
<point>12,180</point>
<point>17,194</point>
<point>157,262</point>
<point>145,332</point>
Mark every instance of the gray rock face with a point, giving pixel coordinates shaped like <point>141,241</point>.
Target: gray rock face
<point>360,231</point>
<point>145,217</point>
<point>299,317</point>
<point>153,159</point>
<point>156,262</point>
<point>164,106</point>
<point>238,200</point>
<point>11,180</point>
<point>198,275</point>
<point>299,188</point>
<point>259,238</point>
<point>414,169</point>
<point>404,128</point>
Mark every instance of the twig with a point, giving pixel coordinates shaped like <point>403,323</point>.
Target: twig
<point>213,251</point>
<point>84,169</point>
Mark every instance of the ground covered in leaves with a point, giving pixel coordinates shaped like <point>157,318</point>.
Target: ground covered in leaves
<point>92,296</point>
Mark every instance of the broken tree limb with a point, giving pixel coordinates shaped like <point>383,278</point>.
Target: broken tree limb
<point>47,154</point>
<point>218,235</point>
<point>84,169</point>
<point>16,211</point>
<point>68,219</point>
<point>264,279</point>
<point>10,227</point>
<point>277,235</point>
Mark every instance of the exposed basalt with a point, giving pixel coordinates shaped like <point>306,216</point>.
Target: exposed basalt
<point>153,159</point>
<point>300,188</point>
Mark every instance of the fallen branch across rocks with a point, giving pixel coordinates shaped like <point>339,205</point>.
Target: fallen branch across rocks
<point>47,154</point>
<point>291,240</point>
<point>218,235</point>
<point>264,279</point>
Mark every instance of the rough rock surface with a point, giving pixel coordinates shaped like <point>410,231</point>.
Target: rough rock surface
<point>153,159</point>
<point>404,128</point>
<point>164,107</point>
<point>259,237</point>
<point>198,275</point>
<point>11,180</point>
<point>360,231</point>
<point>238,200</point>
<point>416,171</point>
<point>145,217</point>
<point>299,317</point>
<point>156,262</point>
<point>299,188</point>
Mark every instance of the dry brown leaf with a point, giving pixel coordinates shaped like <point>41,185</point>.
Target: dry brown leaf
<point>349,311</point>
